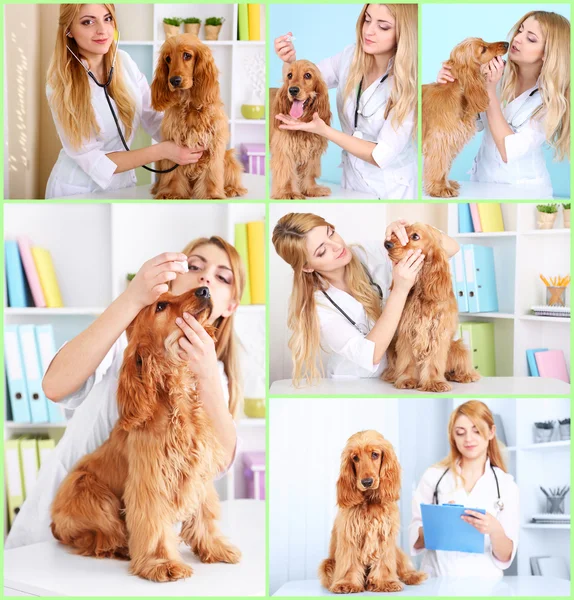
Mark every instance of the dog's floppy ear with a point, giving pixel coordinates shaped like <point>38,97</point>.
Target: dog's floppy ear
<point>281,104</point>
<point>347,493</point>
<point>322,105</point>
<point>205,76</point>
<point>161,96</point>
<point>466,69</point>
<point>389,474</point>
<point>435,273</point>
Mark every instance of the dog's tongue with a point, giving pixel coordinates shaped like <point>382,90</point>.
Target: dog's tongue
<point>296,109</point>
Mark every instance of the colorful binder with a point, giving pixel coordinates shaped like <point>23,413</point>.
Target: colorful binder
<point>256,248</point>
<point>47,275</point>
<point>460,291</point>
<point>551,364</point>
<point>24,246</point>
<point>531,359</point>
<point>480,278</point>
<point>15,280</point>
<point>46,351</point>
<point>45,448</point>
<point>490,217</point>
<point>29,463</point>
<point>16,375</point>
<point>479,339</point>
<point>445,530</point>
<point>242,23</point>
<point>464,218</point>
<point>254,12</point>
<point>475,217</point>
<point>13,476</point>
<point>242,248</point>
<point>33,373</point>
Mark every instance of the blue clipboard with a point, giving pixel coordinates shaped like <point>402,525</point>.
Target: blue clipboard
<point>445,530</point>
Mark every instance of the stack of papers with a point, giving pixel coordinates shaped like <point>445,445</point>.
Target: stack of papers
<point>551,519</point>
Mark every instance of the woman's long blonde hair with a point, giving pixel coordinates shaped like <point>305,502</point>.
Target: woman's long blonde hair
<point>483,420</point>
<point>226,345</point>
<point>404,68</point>
<point>289,240</point>
<point>71,95</point>
<point>554,79</point>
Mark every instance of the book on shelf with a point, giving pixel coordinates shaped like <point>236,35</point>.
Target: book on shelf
<point>490,217</point>
<point>254,16</point>
<point>250,244</point>
<point>552,364</point>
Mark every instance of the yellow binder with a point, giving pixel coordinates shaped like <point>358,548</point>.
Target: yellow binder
<point>490,217</point>
<point>242,249</point>
<point>256,246</point>
<point>47,274</point>
<point>13,476</point>
<point>254,11</point>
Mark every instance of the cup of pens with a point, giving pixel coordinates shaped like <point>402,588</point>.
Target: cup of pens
<point>556,289</point>
<point>555,499</point>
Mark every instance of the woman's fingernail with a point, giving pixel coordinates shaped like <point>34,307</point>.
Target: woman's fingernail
<point>179,321</point>
<point>186,315</point>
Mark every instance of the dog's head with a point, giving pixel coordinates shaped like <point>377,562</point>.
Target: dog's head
<point>152,360</point>
<point>370,471</point>
<point>185,69</point>
<point>303,93</point>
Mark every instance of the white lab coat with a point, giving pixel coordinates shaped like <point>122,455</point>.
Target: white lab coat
<point>348,353</point>
<point>88,170</point>
<point>395,177</point>
<point>525,164</point>
<point>484,495</point>
<point>95,413</point>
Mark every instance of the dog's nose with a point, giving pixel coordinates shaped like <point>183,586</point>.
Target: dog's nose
<point>388,245</point>
<point>294,90</point>
<point>202,292</point>
<point>367,482</point>
<point>506,45</point>
<point>175,81</point>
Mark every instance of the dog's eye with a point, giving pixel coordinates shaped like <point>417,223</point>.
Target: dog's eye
<point>289,75</point>
<point>161,306</point>
<point>483,49</point>
<point>186,56</point>
<point>355,459</point>
<point>374,455</point>
<point>168,59</point>
<point>415,237</point>
<point>307,75</point>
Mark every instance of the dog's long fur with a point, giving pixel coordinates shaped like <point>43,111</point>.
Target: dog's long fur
<point>450,111</point>
<point>194,115</point>
<point>296,155</point>
<point>363,553</point>
<point>423,354</point>
<point>157,466</point>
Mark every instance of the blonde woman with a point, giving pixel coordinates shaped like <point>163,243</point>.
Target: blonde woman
<point>376,81</point>
<point>93,157</point>
<point>474,475</point>
<point>83,375</point>
<point>342,300</point>
<point>533,105</point>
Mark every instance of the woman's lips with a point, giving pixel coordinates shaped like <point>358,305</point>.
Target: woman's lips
<point>368,42</point>
<point>101,41</point>
<point>343,252</point>
<point>513,48</point>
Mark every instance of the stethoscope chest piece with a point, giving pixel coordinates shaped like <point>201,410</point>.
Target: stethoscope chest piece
<point>499,504</point>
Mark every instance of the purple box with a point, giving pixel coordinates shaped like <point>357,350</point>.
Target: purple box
<point>254,472</point>
<point>253,158</point>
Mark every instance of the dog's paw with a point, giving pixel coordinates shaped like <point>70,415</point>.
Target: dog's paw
<point>463,377</point>
<point>166,570</point>
<point>406,384</point>
<point>435,386</point>
<point>389,376</point>
<point>225,553</point>
<point>170,197</point>
<point>216,195</point>
<point>384,586</point>
<point>441,191</point>
<point>346,587</point>
<point>318,191</point>
<point>234,192</point>
<point>414,578</point>
<point>455,185</point>
<point>122,553</point>
<point>288,196</point>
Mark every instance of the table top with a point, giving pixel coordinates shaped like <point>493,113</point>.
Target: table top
<point>49,569</point>
<point>255,185</point>
<point>451,586</point>
<point>478,190</point>
<point>372,386</point>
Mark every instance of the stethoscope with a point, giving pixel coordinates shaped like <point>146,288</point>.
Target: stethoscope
<point>105,87</point>
<point>514,127</point>
<point>362,329</point>
<point>362,113</point>
<point>498,504</point>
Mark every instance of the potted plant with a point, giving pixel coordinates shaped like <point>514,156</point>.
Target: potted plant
<point>566,209</point>
<point>546,215</point>
<point>564,428</point>
<point>171,26</point>
<point>213,27</point>
<point>543,431</point>
<point>192,25</point>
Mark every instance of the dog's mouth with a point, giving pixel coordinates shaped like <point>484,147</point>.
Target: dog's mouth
<point>298,108</point>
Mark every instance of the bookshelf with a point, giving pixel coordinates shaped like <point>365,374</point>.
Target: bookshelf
<point>142,35</point>
<point>94,246</point>
<point>521,253</point>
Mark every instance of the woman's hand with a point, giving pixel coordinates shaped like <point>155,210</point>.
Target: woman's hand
<point>151,280</point>
<point>317,125</point>
<point>180,154</point>
<point>398,228</point>
<point>420,543</point>
<point>406,270</point>
<point>197,348</point>
<point>493,72</point>
<point>285,49</point>
<point>486,523</point>
<point>445,74</point>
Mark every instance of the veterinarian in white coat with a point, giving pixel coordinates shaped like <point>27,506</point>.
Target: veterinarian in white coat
<point>475,455</point>
<point>93,157</point>
<point>93,401</point>
<point>379,153</point>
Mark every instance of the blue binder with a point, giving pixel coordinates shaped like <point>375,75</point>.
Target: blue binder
<point>31,361</point>
<point>16,376</point>
<point>15,280</point>
<point>459,279</point>
<point>480,278</point>
<point>465,224</point>
<point>445,530</point>
<point>46,351</point>
<point>532,366</point>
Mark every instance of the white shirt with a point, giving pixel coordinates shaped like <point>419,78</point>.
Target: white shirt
<point>524,149</point>
<point>484,495</point>
<point>95,414</point>
<point>87,170</point>
<point>350,354</point>
<point>395,177</point>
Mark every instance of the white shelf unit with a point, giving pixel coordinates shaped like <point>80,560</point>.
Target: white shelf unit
<point>521,253</point>
<point>142,35</point>
<point>94,246</point>
<point>533,465</point>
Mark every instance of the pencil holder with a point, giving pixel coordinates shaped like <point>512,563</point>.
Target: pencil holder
<point>555,505</point>
<point>556,296</point>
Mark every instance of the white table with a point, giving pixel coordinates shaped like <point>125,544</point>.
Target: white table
<point>535,587</point>
<point>486,386</point>
<point>255,185</point>
<point>338,193</point>
<point>476,190</point>
<point>49,569</point>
